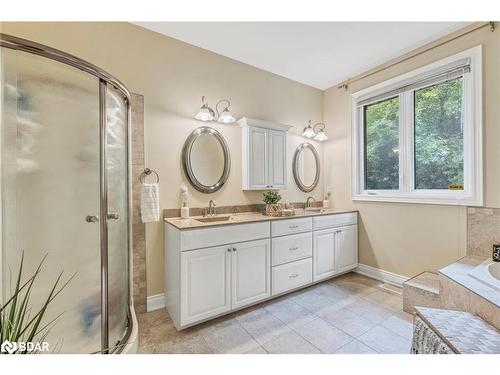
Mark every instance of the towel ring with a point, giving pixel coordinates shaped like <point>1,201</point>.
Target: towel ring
<point>147,172</point>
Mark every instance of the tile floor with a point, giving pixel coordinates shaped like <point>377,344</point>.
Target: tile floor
<point>348,314</point>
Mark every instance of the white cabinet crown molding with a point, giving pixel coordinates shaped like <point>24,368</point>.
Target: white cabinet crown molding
<point>246,121</point>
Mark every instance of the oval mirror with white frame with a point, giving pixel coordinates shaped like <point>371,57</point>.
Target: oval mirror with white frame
<point>206,159</point>
<point>306,167</point>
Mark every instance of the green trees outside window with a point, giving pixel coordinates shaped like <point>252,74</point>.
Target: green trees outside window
<point>438,139</point>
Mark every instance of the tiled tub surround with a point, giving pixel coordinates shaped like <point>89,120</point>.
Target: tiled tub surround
<point>483,230</point>
<point>217,268</point>
<point>349,314</point>
<point>459,272</point>
<point>457,289</point>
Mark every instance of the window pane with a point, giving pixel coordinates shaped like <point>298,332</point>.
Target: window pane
<point>439,157</point>
<point>382,145</point>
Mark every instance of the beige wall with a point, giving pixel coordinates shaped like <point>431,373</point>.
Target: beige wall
<point>410,238</point>
<point>172,76</point>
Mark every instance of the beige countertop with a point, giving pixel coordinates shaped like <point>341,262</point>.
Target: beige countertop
<point>246,217</point>
<point>459,272</point>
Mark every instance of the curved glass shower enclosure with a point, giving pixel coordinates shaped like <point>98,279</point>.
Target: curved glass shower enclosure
<point>65,191</point>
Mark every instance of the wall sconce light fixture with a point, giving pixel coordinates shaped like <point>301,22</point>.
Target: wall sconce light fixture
<point>317,132</point>
<point>206,113</point>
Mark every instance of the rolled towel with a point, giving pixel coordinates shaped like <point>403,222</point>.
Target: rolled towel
<point>150,203</point>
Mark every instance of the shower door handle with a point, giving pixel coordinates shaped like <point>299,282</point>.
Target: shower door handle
<point>113,216</point>
<point>92,219</point>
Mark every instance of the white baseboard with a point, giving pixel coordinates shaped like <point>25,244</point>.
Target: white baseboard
<point>155,302</point>
<point>382,275</point>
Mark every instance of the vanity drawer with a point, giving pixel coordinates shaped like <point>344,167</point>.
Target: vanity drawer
<point>336,220</point>
<point>291,226</point>
<point>289,248</point>
<point>291,275</point>
<point>222,235</point>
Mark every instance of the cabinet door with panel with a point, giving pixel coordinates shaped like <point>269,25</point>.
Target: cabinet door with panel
<point>347,248</point>
<point>277,159</point>
<point>324,260</point>
<point>258,158</point>
<point>251,272</point>
<point>205,283</point>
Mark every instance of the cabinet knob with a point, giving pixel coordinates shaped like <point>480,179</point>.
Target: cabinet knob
<point>228,249</point>
<point>293,276</point>
<point>292,226</point>
<point>293,248</point>
<point>234,249</point>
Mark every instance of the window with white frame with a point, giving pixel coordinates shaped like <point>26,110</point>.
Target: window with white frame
<point>418,137</point>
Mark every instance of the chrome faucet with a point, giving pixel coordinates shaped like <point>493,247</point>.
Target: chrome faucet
<point>308,202</point>
<point>211,208</point>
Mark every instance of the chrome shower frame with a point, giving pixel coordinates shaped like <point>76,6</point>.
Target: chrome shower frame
<point>24,45</point>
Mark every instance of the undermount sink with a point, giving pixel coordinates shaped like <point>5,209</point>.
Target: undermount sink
<point>488,273</point>
<point>212,219</point>
<point>314,209</point>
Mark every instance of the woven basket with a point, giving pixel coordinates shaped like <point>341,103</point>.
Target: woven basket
<point>273,209</point>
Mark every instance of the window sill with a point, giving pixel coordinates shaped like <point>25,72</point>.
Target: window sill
<point>419,200</point>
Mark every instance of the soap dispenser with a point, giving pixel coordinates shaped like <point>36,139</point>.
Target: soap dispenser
<point>326,201</point>
<point>184,204</point>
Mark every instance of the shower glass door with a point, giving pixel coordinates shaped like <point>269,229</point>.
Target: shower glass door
<point>50,176</point>
<point>117,201</point>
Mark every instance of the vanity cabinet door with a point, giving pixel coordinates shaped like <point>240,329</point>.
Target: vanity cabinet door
<point>205,283</point>
<point>324,262</point>
<point>251,272</point>
<point>258,158</point>
<point>277,159</point>
<point>347,248</point>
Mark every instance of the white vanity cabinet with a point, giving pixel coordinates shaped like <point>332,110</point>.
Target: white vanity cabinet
<point>263,154</point>
<point>205,286</point>
<point>250,272</point>
<point>217,279</point>
<point>212,270</point>
<point>335,249</point>
<point>203,281</point>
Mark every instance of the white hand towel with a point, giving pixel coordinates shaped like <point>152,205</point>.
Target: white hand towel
<point>150,203</point>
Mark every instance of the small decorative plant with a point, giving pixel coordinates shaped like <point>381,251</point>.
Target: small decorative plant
<point>19,323</point>
<point>271,199</point>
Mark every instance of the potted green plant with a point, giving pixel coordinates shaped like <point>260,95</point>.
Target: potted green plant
<point>22,322</point>
<point>271,199</point>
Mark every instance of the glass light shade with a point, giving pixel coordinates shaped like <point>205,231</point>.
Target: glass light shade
<point>226,117</point>
<point>204,114</point>
<point>308,132</point>
<point>321,136</point>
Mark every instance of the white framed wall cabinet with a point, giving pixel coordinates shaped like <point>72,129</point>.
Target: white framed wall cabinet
<point>263,154</point>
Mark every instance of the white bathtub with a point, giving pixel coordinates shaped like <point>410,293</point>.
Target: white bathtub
<point>488,273</point>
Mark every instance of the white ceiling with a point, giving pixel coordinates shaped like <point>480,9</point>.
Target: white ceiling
<point>318,54</point>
